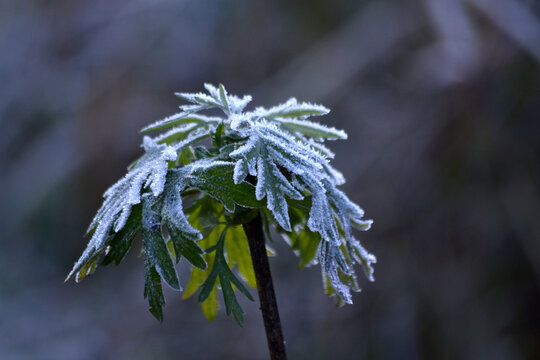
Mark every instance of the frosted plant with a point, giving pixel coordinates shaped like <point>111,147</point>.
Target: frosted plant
<point>190,199</point>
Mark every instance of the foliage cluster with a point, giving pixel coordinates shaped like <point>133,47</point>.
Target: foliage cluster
<point>204,176</point>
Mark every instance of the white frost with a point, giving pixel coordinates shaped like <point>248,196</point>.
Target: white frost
<point>279,146</point>
<point>151,170</point>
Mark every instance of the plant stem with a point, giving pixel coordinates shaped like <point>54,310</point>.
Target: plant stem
<point>265,287</point>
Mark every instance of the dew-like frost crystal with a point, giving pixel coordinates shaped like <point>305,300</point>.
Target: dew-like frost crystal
<point>148,172</point>
<point>267,158</point>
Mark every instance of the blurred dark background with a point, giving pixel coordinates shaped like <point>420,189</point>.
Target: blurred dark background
<point>441,100</point>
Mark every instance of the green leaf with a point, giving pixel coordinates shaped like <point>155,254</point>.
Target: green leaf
<point>88,268</point>
<point>202,152</point>
<point>241,216</point>
<point>209,209</point>
<point>223,98</point>
<point>185,156</point>
<point>278,150</point>
<point>218,142</point>
<point>225,150</point>
<point>175,135</point>
<point>217,181</point>
<point>121,241</point>
<point>148,172</point>
<point>197,278</point>
<point>154,246</point>
<point>184,236</point>
<point>209,283</point>
<point>305,244</point>
<point>198,275</point>
<point>152,290</point>
<point>238,252</point>
<point>210,306</point>
<point>187,248</point>
<point>205,215</point>
<point>220,270</point>
<point>231,304</point>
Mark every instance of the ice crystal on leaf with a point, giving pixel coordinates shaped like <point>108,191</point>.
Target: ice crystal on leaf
<point>148,172</point>
<point>269,160</point>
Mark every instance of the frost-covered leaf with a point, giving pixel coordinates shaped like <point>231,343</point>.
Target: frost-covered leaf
<point>223,98</point>
<point>285,168</point>
<point>182,118</point>
<point>216,98</point>
<point>311,129</point>
<point>216,179</point>
<point>88,268</point>
<point>266,149</point>
<point>155,248</point>
<point>176,134</point>
<point>200,99</point>
<point>148,172</point>
<point>158,263</point>
<point>193,137</point>
<point>332,215</point>
<point>303,242</point>
<point>226,166</point>
<point>233,103</point>
<point>291,116</point>
<point>269,149</point>
<point>120,242</point>
<point>287,164</point>
<point>293,109</point>
<point>184,236</point>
